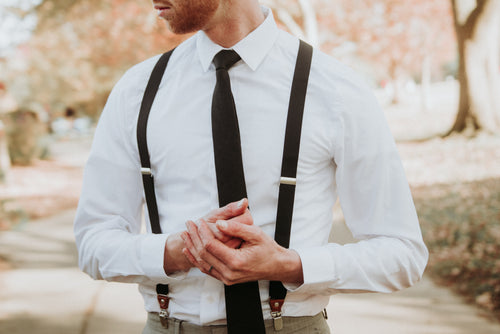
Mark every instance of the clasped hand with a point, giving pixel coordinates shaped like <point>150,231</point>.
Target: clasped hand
<point>225,244</point>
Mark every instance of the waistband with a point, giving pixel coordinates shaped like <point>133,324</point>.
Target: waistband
<point>290,325</point>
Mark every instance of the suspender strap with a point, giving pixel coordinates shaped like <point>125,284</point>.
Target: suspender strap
<point>142,143</point>
<point>289,168</point>
<point>147,175</point>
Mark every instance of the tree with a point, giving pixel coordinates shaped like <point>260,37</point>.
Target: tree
<point>299,17</point>
<point>477,25</point>
<point>397,39</point>
<point>81,47</point>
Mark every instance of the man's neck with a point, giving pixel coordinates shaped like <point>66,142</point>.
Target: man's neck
<point>234,22</point>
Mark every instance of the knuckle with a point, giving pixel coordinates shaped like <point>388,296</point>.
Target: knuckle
<point>203,253</point>
<point>230,278</point>
<point>209,246</point>
<point>235,263</point>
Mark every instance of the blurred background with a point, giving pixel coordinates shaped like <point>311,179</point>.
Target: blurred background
<point>434,65</point>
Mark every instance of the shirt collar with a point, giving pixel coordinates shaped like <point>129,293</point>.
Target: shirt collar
<point>252,49</point>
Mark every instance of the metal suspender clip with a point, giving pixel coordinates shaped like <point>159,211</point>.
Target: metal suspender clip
<point>163,301</point>
<point>146,171</point>
<point>288,180</point>
<point>276,305</point>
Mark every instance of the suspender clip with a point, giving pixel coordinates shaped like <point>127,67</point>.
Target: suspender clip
<point>163,300</point>
<point>276,305</point>
<point>146,171</point>
<point>288,180</point>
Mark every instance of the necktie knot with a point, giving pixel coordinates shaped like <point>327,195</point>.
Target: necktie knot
<point>225,59</point>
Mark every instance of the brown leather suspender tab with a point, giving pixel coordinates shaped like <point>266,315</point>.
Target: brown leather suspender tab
<point>276,305</point>
<point>163,300</point>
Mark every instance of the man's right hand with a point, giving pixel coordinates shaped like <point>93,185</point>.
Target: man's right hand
<point>174,260</point>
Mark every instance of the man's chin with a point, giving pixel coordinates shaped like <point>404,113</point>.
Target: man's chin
<point>180,30</point>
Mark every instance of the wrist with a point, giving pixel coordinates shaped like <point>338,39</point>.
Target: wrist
<point>289,267</point>
<point>173,258</point>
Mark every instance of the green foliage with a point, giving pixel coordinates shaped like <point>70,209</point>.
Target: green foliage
<point>10,217</point>
<point>461,226</point>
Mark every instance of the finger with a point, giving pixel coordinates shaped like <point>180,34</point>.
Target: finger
<point>190,257</point>
<point>189,251</point>
<point>234,243</point>
<point>245,218</point>
<point>211,243</point>
<point>201,257</point>
<point>231,210</point>
<point>248,233</point>
<point>216,249</point>
<point>209,264</point>
<point>195,246</point>
<point>192,229</point>
<point>224,238</point>
<point>217,233</point>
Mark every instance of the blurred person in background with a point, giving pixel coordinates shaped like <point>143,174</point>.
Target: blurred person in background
<point>217,256</point>
<point>7,104</point>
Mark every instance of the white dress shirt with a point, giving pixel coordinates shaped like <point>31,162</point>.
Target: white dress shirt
<point>346,151</point>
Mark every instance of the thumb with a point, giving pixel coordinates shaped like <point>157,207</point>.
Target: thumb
<point>239,230</point>
<point>228,211</point>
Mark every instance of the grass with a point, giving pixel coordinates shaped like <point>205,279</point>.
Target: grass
<point>456,188</point>
<point>461,227</point>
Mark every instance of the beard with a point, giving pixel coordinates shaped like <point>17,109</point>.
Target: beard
<point>191,15</point>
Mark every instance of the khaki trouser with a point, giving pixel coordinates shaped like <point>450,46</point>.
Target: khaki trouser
<point>298,325</point>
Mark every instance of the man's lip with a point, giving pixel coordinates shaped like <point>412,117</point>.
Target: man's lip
<point>161,7</point>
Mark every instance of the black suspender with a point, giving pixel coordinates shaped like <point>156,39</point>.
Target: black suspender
<point>147,175</point>
<point>142,143</point>
<point>288,168</point>
<point>277,291</point>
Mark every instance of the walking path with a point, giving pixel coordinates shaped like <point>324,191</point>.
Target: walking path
<point>45,293</point>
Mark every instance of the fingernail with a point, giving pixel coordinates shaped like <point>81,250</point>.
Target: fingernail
<point>240,203</point>
<point>222,224</point>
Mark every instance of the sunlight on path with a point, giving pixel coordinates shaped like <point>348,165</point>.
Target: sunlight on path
<point>422,309</point>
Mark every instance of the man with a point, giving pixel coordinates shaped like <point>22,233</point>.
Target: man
<point>346,150</point>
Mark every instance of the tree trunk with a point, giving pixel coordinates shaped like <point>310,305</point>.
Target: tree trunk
<point>4,155</point>
<point>310,22</point>
<point>425,83</point>
<point>309,29</point>
<point>478,36</point>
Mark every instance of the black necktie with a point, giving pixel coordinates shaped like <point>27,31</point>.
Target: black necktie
<point>243,306</point>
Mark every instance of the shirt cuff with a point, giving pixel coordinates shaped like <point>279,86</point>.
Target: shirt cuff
<point>317,275</point>
<point>152,256</point>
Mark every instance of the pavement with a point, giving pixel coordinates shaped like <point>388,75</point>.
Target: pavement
<point>42,291</point>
